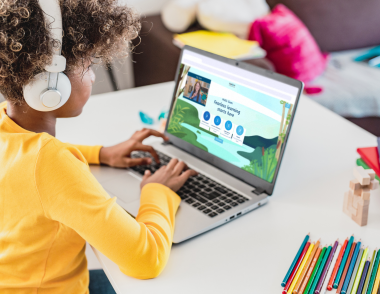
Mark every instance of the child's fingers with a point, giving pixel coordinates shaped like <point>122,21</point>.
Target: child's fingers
<point>130,162</point>
<point>147,174</point>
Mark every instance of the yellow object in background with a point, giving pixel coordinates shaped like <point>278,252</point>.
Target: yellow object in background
<point>224,44</point>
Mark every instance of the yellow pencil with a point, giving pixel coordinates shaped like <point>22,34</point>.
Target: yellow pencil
<point>301,268</point>
<point>377,281</point>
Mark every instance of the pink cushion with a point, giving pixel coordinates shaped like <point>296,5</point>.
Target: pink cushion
<point>289,44</point>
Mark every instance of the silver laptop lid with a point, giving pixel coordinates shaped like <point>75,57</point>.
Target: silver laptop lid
<point>233,115</point>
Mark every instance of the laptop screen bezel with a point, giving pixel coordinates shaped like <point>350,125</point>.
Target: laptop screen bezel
<point>215,161</point>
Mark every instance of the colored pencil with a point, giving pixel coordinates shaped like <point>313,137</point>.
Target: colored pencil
<point>306,268</point>
<point>366,284</point>
<point>344,274</point>
<point>343,263</point>
<point>364,276</point>
<point>315,271</point>
<point>373,274</point>
<point>326,268</point>
<point>294,272</point>
<point>337,264</point>
<point>355,271</point>
<point>311,269</point>
<point>377,282</point>
<point>331,270</point>
<point>320,269</point>
<point>351,269</point>
<point>296,258</point>
<point>360,271</point>
<point>300,269</point>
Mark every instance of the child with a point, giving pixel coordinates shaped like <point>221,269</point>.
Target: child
<point>49,201</point>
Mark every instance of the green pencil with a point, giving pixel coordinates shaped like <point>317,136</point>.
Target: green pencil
<point>310,283</point>
<point>321,267</point>
<point>373,274</point>
<point>366,284</point>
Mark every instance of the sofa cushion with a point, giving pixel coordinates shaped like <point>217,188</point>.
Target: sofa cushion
<point>289,44</point>
<point>338,24</point>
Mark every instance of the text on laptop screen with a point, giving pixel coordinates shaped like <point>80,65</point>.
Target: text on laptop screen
<point>236,115</point>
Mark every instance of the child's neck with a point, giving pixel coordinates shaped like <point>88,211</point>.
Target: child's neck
<point>32,120</point>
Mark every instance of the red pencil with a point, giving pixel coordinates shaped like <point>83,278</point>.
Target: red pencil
<point>294,272</point>
<point>346,268</point>
<point>337,264</point>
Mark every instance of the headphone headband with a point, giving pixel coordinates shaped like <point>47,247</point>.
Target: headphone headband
<point>52,89</point>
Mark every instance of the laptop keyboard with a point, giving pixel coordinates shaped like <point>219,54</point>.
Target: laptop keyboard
<point>202,193</point>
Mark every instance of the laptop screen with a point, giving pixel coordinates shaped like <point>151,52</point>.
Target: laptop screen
<point>234,114</point>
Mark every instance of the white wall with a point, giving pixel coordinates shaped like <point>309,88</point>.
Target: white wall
<point>146,7</point>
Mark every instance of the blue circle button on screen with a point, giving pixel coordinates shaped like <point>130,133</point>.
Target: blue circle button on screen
<point>239,130</point>
<point>217,120</point>
<point>228,125</point>
<point>206,115</point>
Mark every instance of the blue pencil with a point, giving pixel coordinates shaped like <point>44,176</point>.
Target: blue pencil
<point>363,278</point>
<point>351,268</point>
<point>295,260</point>
<point>343,263</point>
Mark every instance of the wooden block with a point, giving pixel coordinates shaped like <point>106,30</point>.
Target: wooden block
<point>371,173</point>
<point>374,184</point>
<point>361,218</point>
<point>355,185</point>
<point>361,175</point>
<point>357,200</point>
<point>361,221</point>
<point>353,210</point>
<point>366,193</point>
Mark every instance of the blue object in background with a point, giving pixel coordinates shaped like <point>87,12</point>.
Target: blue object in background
<point>228,125</point>
<point>239,130</point>
<point>163,114</point>
<point>217,120</point>
<point>287,105</point>
<point>206,115</point>
<point>145,118</point>
<point>372,56</point>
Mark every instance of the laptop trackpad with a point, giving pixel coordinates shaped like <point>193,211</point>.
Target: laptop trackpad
<point>124,186</point>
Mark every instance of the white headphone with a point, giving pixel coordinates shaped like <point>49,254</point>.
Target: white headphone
<point>51,89</point>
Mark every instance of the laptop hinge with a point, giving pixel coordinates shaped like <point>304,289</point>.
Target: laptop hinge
<point>258,191</point>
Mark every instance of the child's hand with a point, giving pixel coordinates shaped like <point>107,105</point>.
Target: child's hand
<point>120,154</point>
<point>172,175</point>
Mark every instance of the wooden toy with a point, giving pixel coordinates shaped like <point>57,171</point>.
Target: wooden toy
<point>357,199</point>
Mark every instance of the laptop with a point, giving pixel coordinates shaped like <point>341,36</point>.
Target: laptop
<point>228,120</point>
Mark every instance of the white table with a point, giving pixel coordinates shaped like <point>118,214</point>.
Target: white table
<point>253,253</point>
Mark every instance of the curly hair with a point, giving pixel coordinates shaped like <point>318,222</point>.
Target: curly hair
<point>100,29</point>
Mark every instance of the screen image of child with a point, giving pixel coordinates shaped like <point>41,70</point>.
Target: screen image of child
<point>196,88</point>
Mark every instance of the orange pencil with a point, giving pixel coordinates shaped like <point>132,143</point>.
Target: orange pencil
<point>304,271</point>
<point>304,284</point>
<point>346,268</point>
<point>337,264</point>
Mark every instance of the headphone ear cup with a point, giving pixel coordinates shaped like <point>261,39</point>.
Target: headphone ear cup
<point>33,91</point>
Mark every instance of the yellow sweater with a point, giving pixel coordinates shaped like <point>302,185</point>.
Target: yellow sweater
<point>50,204</point>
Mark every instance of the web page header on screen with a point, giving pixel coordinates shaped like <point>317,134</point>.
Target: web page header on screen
<point>237,75</point>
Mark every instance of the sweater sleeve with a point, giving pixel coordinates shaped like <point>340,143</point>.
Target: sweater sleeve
<point>72,196</point>
<point>91,153</point>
